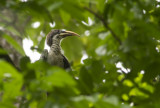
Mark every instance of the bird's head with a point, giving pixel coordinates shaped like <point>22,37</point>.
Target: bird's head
<point>58,35</point>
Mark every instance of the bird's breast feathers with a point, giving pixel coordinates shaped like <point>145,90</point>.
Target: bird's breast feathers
<point>55,59</point>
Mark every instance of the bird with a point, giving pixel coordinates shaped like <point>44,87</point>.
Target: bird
<point>54,56</point>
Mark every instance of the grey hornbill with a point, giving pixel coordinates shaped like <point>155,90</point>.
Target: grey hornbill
<point>54,56</point>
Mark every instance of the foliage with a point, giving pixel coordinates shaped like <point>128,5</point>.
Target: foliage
<point>112,32</point>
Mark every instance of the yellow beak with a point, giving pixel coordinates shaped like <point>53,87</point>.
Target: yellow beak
<point>68,33</point>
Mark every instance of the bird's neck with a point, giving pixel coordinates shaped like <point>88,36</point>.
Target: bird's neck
<point>55,47</point>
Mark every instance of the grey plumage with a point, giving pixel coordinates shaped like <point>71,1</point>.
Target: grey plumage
<point>54,60</point>
<point>54,56</point>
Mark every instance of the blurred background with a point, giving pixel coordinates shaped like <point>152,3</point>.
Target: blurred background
<point>115,61</point>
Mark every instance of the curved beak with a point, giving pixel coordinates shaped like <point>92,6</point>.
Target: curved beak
<point>68,33</point>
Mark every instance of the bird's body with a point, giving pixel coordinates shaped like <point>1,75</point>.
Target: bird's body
<point>54,59</point>
<point>54,56</point>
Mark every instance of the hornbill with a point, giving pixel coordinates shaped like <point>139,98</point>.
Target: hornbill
<point>54,56</point>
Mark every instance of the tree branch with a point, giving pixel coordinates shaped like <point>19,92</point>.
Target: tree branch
<point>104,23</point>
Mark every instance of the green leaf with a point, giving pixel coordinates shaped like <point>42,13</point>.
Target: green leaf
<point>58,77</point>
<point>85,81</point>
<point>23,63</point>
<point>72,47</point>
<point>137,92</point>
<point>12,81</point>
<point>73,9</point>
<point>128,83</point>
<point>2,51</point>
<point>6,105</point>
<point>33,8</point>
<point>15,45</point>
<point>65,16</point>
<point>55,5</point>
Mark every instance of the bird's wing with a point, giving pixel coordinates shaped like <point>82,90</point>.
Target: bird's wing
<point>44,55</point>
<point>66,63</point>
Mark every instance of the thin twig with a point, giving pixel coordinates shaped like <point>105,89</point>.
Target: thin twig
<point>104,23</point>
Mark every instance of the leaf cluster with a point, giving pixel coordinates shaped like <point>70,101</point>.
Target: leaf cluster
<point>120,39</point>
